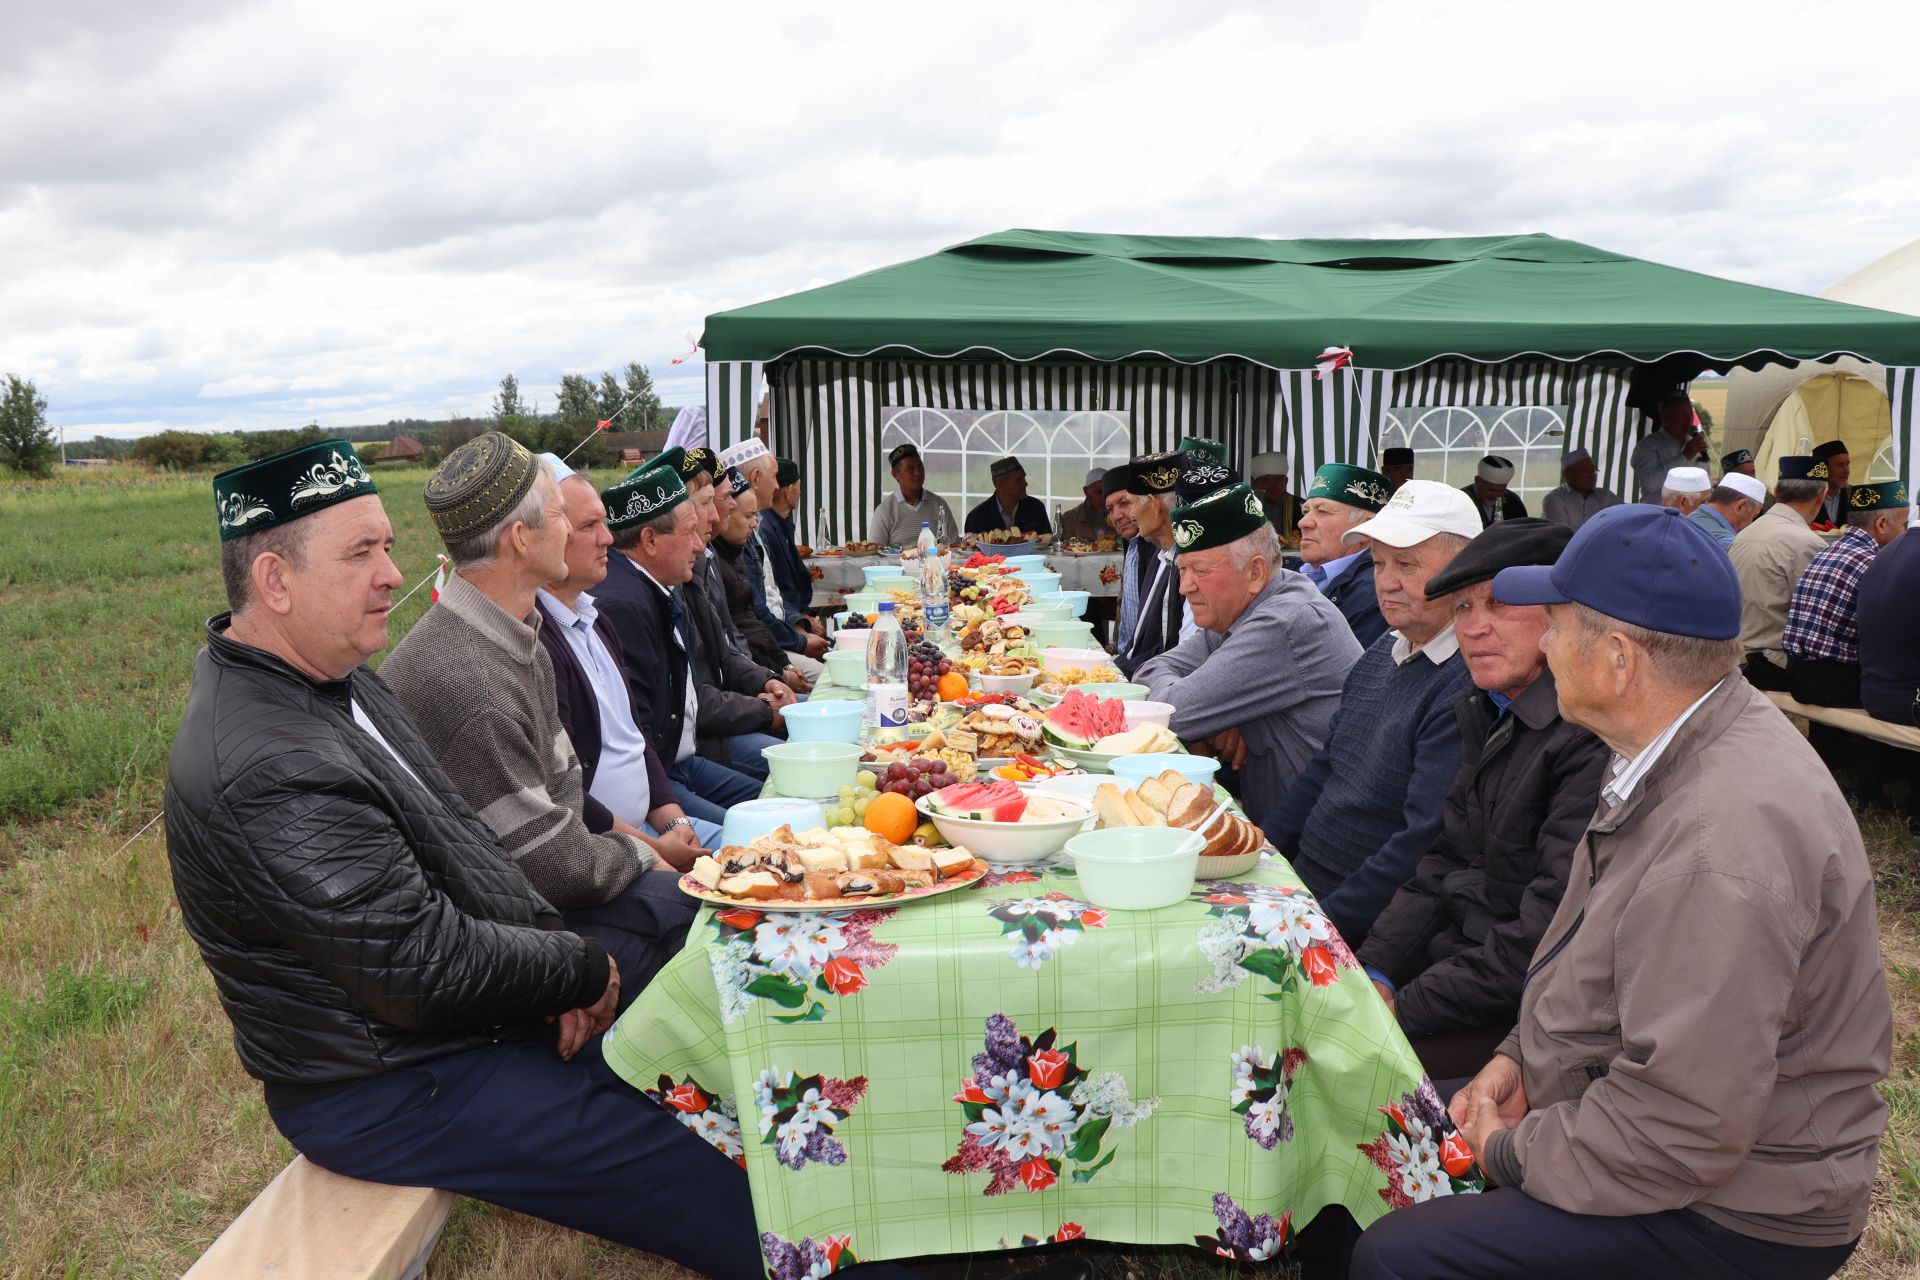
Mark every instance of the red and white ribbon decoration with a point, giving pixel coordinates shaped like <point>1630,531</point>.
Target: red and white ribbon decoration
<point>1331,359</point>
<point>440,578</point>
<point>693,349</point>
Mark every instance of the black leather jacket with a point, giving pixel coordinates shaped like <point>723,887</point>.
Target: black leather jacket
<point>355,920</point>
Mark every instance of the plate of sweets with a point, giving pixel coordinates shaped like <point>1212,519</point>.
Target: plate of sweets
<point>843,869</point>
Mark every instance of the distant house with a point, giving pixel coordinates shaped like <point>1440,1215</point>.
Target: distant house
<point>401,448</point>
<point>635,447</point>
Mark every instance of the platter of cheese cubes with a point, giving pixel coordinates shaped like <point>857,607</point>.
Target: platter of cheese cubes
<point>842,869</point>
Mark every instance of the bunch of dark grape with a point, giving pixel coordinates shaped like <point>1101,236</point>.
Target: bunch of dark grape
<point>925,665</point>
<point>916,778</point>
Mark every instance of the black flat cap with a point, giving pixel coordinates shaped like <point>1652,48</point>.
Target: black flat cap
<point>1831,449</point>
<point>1505,544</point>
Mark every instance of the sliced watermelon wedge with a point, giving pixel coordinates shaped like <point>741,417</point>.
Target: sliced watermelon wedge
<point>1079,720</point>
<point>980,801</point>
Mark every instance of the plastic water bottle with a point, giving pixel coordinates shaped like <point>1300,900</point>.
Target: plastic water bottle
<point>886,677</point>
<point>934,601</point>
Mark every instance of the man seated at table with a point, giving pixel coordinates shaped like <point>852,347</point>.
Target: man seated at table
<point>1396,464</point>
<point>1009,506</point>
<point>655,545</point>
<point>1268,475</point>
<point>1087,518</point>
<point>1165,617</point>
<point>390,974</point>
<point>1368,806</point>
<point>1580,495</point>
<point>625,780</point>
<point>1685,488</point>
<point>1769,556</point>
<point>1730,507</point>
<point>1340,498</point>
<point>1491,498</point>
<point>479,686</point>
<point>784,554</point>
<point>1250,613</point>
<point>1835,506</point>
<point>1888,615</point>
<point>896,521</point>
<point>1675,442</point>
<point>801,648</point>
<point>736,550</point>
<point>1739,462</point>
<point>1450,952</point>
<point>1124,606</point>
<point>1690,1088</point>
<point>1821,639</point>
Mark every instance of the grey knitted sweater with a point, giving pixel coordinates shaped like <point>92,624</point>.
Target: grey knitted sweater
<point>479,685</point>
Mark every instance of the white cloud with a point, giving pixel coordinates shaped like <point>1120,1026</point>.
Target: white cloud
<point>249,215</point>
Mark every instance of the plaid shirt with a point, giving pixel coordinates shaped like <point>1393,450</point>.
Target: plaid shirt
<point>1820,620</point>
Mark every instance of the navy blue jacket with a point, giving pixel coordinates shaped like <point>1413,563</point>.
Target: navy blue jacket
<point>1352,593</point>
<point>1030,514</point>
<point>789,568</point>
<point>640,616</point>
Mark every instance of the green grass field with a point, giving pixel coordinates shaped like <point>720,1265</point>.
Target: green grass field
<point>129,1137</point>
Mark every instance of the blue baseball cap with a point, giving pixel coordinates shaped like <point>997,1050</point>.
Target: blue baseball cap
<point>1649,566</point>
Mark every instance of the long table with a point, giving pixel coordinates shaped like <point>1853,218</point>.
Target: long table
<point>1008,1065</point>
<point>1097,573</point>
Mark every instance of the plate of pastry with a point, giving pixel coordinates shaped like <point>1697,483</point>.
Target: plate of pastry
<point>841,869</point>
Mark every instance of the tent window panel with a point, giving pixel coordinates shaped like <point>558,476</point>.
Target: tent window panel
<point>1058,448</point>
<point>1448,442</point>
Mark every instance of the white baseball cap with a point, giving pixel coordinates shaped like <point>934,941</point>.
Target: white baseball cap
<point>1744,485</point>
<point>1687,480</point>
<point>1420,509</point>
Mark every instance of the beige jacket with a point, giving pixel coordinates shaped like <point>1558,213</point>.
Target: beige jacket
<point>1768,557</point>
<point>1706,1017</point>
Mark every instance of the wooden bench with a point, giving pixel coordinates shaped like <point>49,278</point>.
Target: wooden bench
<point>1852,720</point>
<point>310,1224</point>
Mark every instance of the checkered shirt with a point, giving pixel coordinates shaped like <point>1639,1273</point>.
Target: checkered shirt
<point>1820,619</point>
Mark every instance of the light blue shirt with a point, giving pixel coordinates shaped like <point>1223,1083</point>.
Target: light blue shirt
<point>620,779</point>
<point>1321,574</point>
<point>1129,597</point>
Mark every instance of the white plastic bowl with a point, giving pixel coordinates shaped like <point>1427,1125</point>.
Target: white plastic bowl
<point>1136,868</point>
<point>852,638</point>
<point>1022,618</point>
<point>1058,659</point>
<point>1074,786</point>
<point>1006,684</point>
<point>1011,843</point>
<point>1143,713</point>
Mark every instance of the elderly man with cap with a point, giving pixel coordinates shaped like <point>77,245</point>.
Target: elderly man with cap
<point>1269,477</point>
<point>1731,506</point>
<point>412,1004</point>
<point>1396,464</point>
<point>1676,442</point>
<point>1689,1090</point>
<point>1489,492</point>
<point>1822,639</point>
<point>1009,506</point>
<point>751,477</point>
<point>1136,559</point>
<point>1086,519</point>
<point>1451,950</point>
<point>656,543</point>
<point>1739,461</point>
<point>1769,556</point>
<point>1685,488</point>
<point>1165,618</point>
<point>1580,496</point>
<point>1249,613</point>
<point>1341,498</point>
<point>1834,507</point>
<point>784,556</point>
<point>480,688</point>
<point>736,549</point>
<point>1368,806</point>
<point>896,521</point>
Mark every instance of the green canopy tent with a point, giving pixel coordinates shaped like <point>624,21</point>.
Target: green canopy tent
<point>1325,349</point>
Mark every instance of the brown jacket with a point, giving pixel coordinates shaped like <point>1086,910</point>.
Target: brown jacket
<point>1706,1017</point>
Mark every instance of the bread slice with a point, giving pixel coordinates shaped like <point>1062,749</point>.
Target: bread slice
<point>909,857</point>
<point>752,884</point>
<point>823,884</point>
<point>1111,804</point>
<point>1143,814</point>
<point>821,859</point>
<point>950,862</point>
<point>707,872</point>
<point>1157,794</point>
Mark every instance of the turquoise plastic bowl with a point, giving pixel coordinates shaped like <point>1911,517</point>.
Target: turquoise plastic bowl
<point>1036,563</point>
<point>883,577</point>
<point>824,721</point>
<point>1076,601</point>
<point>1039,580</point>
<point>751,819</point>
<point>1133,770</point>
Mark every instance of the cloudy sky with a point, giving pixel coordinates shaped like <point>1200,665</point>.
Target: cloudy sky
<point>221,214</point>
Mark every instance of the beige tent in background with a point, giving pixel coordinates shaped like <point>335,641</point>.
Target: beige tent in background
<point>1787,409</point>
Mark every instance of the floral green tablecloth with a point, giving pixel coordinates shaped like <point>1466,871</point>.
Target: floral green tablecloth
<point>1007,1065</point>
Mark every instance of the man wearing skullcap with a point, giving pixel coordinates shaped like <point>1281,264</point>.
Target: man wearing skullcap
<point>1821,639</point>
<point>1136,560</point>
<point>1740,461</point>
<point>1196,447</point>
<point>739,556</point>
<point>1689,1087</point>
<point>1249,613</point>
<point>1685,488</point>
<point>752,459</point>
<point>784,556</point>
<point>1268,475</point>
<point>1769,556</point>
<point>1396,464</point>
<point>480,686</point>
<point>1451,950</point>
<point>1165,619</point>
<point>1834,508</point>
<point>1580,495</point>
<point>1086,519</point>
<point>896,521</point>
<point>1489,492</point>
<point>1342,498</point>
<point>1009,506</point>
<point>1675,442</point>
<point>412,1004</point>
<point>1200,475</point>
<point>1731,506</point>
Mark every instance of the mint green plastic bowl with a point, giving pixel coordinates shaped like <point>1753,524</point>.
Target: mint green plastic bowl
<point>812,770</point>
<point>1136,868</point>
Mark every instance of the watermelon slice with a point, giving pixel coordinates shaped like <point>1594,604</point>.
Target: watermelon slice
<point>1079,720</point>
<point>981,801</point>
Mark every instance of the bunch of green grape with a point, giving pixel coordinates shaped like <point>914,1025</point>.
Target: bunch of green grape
<point>854,800</point>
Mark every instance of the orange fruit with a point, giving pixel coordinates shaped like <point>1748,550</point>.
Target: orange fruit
<point>951,686</point>
<point>892,817</point>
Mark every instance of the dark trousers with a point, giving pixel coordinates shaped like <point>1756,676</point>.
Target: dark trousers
<point>641,929</point>
<point>1506,1233</point>
<point>565,1141</point>
<point>1763,675</point>
<point>1820,683</point>
<point>1449,1055</point>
